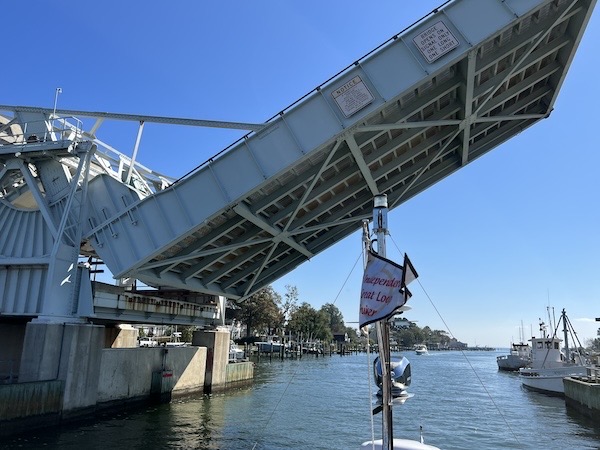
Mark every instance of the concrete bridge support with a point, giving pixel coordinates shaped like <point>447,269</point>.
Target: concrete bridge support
<point>67,372</point>
<point>217,357</point>
<point>67,352</point>
<point>121,336</point>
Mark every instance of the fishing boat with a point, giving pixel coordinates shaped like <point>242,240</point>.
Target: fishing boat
<point>421,349</point>
<point>271,345</point>
<point>383,294</point>
<point>519,356</point>
<point>549,364</point>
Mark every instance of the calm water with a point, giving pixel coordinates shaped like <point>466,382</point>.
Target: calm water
<point>324,403</point>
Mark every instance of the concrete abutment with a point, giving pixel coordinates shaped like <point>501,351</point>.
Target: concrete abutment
<point>70,371</point>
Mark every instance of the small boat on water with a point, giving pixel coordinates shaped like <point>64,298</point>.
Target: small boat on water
<point>549,365</point>
<point>421,349</point>
<point>519,356</point>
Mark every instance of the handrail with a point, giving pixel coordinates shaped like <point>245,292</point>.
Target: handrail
<point>60,129</point>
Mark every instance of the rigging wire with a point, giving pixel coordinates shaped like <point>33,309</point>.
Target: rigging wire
<point>277,405</point>
<point>360,255</point>
<point>462,352</point>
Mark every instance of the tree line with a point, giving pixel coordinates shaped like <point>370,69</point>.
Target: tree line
<point>267,313</point>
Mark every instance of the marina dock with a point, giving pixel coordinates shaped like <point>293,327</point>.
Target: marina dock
<point>583,393</point>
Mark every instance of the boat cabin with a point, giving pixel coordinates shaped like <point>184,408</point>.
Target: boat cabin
<point>545,351</point>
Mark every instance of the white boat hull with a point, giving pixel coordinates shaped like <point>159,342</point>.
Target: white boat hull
<point>399,444</point>
<point>269,347</point>
<point>512,362</point>
<point>549,381</point>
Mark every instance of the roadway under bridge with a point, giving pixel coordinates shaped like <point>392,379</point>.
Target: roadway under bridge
<point>424,104</point>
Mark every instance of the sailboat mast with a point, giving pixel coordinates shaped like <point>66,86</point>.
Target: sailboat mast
<point>380,210</point>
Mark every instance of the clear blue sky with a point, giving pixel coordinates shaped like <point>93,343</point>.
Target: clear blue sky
<point>494,244</point>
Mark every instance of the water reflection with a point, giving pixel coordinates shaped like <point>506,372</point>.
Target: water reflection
<point>324,403</point>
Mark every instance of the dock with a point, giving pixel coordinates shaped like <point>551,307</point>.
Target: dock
<point>583,393</point>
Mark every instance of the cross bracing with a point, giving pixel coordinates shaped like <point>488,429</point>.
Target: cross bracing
<point>294,186</point>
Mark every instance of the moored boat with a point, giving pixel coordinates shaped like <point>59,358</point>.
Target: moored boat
<point>236,354</point>
<point>398,444</point>
<point>549,365</point>
<point>269,346</point>
<point>519,356</point>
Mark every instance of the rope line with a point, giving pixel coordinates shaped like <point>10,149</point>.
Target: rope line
<point>463,353</point>
<point>348,277</point>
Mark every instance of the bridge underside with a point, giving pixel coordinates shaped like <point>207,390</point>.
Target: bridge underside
<point>429,101</point>
<point>452,115</point>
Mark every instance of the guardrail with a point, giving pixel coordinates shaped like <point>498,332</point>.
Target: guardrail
<point>593,374</point>
<point>38,131</point>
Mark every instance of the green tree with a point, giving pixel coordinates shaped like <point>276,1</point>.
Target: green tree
<point>289,304</point>
<point>260,312</point>
<point>408,337</point>
<point>187,333</point>
<point>426,334</point>
<point>595,343</point>
<point>334,317</point>
<point>309,322</point>
<point>440,337</point>
<point>352,335</point>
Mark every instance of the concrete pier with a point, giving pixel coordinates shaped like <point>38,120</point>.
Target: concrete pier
<point>217,344</point>
<point>67,352</point>
<point>583,394</point>
<point>66,373</point>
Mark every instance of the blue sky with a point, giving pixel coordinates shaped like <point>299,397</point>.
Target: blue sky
<point>494,244</point>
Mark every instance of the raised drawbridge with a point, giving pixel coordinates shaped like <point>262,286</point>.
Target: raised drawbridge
<point>429,101</point>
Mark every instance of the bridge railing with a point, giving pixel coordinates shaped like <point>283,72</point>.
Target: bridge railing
<point>107,159</point>
<point>39,131</point>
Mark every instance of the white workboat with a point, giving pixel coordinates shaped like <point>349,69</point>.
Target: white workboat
<point>519,356</point>
<point>549,364</point>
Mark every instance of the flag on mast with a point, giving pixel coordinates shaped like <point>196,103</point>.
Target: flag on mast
<point>410,274</point>
<point>384,288</point>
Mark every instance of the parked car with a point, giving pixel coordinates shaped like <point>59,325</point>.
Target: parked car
<point>148,342</point>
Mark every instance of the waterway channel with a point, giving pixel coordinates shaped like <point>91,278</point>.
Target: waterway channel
<point>461,401</point>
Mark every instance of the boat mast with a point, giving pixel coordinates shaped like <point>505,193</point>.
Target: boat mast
<point>380,210</point>
<point>566,334</point>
